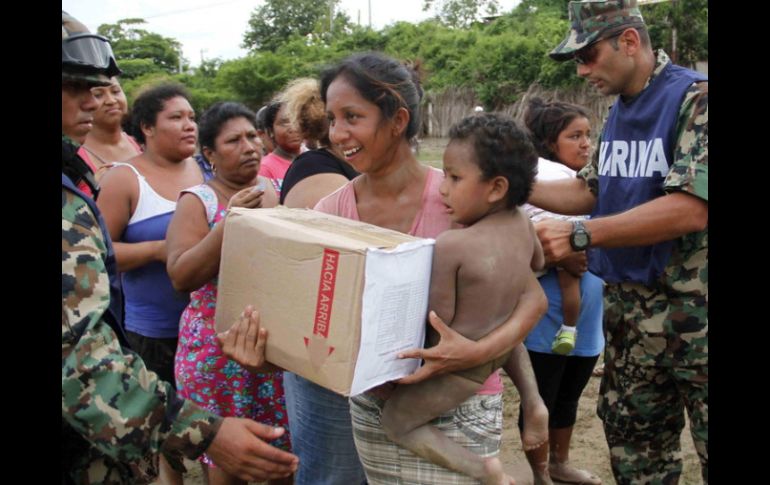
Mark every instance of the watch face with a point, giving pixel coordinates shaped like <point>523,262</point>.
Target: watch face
<point>580,239</point>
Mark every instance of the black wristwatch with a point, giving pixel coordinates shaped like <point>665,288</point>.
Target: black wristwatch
<point>580,238</point>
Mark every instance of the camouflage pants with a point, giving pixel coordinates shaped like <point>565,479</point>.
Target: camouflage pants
<point>642,408</point>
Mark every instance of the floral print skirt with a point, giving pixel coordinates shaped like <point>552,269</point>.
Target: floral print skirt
<point>220,385</point>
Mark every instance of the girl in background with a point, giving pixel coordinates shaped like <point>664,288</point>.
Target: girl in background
<point>287,142</point>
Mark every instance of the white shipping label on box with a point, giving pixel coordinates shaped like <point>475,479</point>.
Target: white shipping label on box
<point>393,319</point>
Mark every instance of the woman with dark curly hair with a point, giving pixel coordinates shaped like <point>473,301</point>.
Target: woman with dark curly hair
<point>137,201</point>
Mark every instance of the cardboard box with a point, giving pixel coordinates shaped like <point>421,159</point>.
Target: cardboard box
<point>339,298</point>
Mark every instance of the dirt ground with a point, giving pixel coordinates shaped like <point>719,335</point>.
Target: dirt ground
<point>589,449</point>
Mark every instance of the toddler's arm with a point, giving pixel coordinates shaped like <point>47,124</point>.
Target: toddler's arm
<point>443,277</point>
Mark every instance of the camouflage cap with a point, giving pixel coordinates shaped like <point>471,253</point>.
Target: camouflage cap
<point>594,20</point>
<point>85,57</point>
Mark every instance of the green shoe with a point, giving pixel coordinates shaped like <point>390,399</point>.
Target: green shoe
<point>564,342</point>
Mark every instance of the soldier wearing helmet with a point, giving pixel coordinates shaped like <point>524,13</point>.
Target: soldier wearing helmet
<point>117,416</point>
<point>86,61</point>
<point>85,57</point>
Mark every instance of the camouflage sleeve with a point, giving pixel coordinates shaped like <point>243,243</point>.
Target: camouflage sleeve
<point>690,171</point>
<point>108,395</point>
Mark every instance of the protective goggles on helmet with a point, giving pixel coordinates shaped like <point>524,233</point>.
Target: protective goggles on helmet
<point>91,51</point>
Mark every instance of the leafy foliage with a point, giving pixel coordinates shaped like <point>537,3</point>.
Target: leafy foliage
<point>130,42</point>
<point>689,19</point>
<point>278,21</point>
<point>461,13</point>
<point>253,79</point>
<point>498,60</point>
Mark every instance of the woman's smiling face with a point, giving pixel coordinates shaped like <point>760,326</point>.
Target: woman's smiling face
<point>357,128</point>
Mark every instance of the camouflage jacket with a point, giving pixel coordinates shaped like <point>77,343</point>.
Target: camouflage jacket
<point>116,415</point>
<point>671,315</point>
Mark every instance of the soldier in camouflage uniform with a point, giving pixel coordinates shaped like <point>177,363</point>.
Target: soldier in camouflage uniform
<point>116,415</point>
<point>647,191</point>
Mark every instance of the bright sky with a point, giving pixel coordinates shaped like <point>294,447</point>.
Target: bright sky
<point>214,28</point>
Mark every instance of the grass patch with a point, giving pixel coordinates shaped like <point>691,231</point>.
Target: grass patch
<point>431,151</point>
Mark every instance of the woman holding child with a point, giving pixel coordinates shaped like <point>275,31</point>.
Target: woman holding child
<point>373,106</point>
<point>561,134</point>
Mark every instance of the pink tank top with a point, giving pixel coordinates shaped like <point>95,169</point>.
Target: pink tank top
<point>98,172</point>
<point>274,167</point>
<point>430,221</point>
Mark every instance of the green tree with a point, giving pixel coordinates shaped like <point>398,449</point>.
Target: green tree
<point>545,21</point>
<point>132,87</point>
<point>461,13</point>
<point>134,68</point>
<point>277,21</point>
<point>130,43</point>
<point>360,39</point>
<point>498,60</point>
<point>202,84</point>
<point>255,78</point>
<point>500,67</point>
<point>683,20</point>
<point>209,68</point>
<point>443,50</point>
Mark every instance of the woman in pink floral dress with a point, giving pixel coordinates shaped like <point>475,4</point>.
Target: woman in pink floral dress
<point>203,374</point>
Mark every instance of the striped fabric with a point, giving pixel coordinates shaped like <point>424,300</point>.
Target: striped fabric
<point>477,424</point>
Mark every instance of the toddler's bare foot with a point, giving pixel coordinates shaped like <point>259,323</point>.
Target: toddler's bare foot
<point>495,474</point>
<point>535,423</point>
<point>563,472</point>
